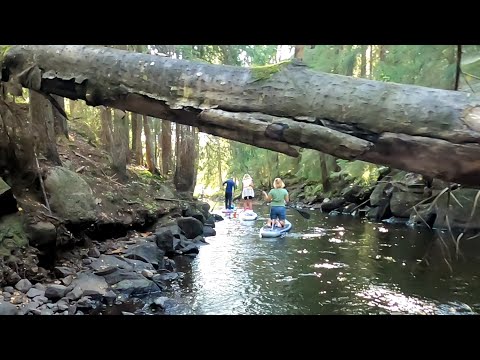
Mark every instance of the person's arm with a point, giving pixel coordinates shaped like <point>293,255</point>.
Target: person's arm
<point>287,198</point>
<point>267,197</point>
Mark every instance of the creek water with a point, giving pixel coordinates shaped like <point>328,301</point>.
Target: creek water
<point>324,265</point>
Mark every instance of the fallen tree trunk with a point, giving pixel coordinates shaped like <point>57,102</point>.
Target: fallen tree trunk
<point>429,131</point>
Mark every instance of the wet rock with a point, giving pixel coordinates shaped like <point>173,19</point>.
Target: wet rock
<point>109,261</point>
<point>35,292</point>
<point>70,195</point>
<point>46,312</point>
<point>147,252</point>
<point>199,240</point>
<point>55,291</point>
<point>93,252</point>
<point>165,240</point>
<point>191,248</point>
<point>139,287</point>
<point>91,284</point>
<point>67,280</point>
<point>402,202</point>
<point>176,244</point>
<point>7,296</point>
<point>170,265</point>
<point>26,308</point>
<point>218,217</point>
<point>332,204</point>
<point>190,226</point>
<point>127,313</point>
<point>208,231</point>
<point>9,289</point>
<point>36,311</point>
<point>160,301</point>
<point>169,276</point>
<point>63,271</point>
<point>42,233</point>
<point>86,262</point>
<point>75,294</point>
<point>40,299</point>
<point>79,312</point>
<point>12,278</point>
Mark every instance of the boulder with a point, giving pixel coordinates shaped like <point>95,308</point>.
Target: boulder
<point>12,234</point>
<point>137,287</point>
<point>70,195</point>
<point>42,233</point>
<point>147,252</point>
<point>208,231</point>
<point>55,291</point>
<point>190,226</point>
<point>91,285</point>
<point>165,240</point>
<point>23,285</point>
<point>332,204</point>
<point>7,309</point>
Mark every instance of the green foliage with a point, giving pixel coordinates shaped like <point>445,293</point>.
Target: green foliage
<point>266,71</point>
<point>359,172</point>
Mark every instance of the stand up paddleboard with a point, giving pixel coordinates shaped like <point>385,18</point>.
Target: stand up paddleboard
<point>269,232</point>
<point>228,211</point>
<point>248,215</point>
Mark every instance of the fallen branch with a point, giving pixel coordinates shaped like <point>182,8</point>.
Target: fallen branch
<point>41,181</point>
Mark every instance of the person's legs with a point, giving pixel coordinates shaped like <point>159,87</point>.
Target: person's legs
<point>282,215</point>
<point>250,203</point>
<point>229,200</point>
<point>271,220</point>
<point>226,200</point>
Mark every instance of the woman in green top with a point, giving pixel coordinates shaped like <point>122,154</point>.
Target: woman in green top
<point>278,198</point>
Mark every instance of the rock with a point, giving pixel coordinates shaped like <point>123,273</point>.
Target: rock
<point>62,306</point>
<point>12,236</point>
<point>208,231</point>
<point>190,226</point>
<point>210,221</point>
<point>380,212</point>
<point>7,309</point>
<point>458,216</point>
<point>170,265</point>
<point>12,278</point>
<point>218,217</point>
<point>17,299</point>
<point>147,252</point>
<point>127,313</point>
<point>402,202</point>
<point>332,204</point>
<point>35,292</point>
<point>86,262</point>
<point>70,195</point>
<point>67,280</point>
<point>85,303</point>
<point>160,301</point>
<point>109,261</point>
<point>72,309</point>
<point>169,276</point>
<point>91,284</point>
<point>176,244</point>
<point>40,299</point>
<point>55,291</point>
<point>8,201</point>
<point>199,239</point>
<point>63,271</point>
<point>191,248</point>
<point>93,252</point>
<point>139,287</point>
<point>29,307</point>
<point>42,233</point>
<point>165,240</point>
<point>174,229</point>
<point>147,273</point>
<point>119,275</point>
<point>9,289</point>
<point>46,312</point>
<point>110,297</point>
<point>40,286</point>
<point>75,294</point>
<point>79,312</point>
<point>139,265</point>
<point>348,209</point>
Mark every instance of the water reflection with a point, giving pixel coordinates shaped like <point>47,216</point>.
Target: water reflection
<point>325,265</point>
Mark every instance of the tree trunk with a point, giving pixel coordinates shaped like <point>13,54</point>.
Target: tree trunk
<point>299,52</point>
<point>156,130</point>
<point>219,164</point>
<point>363,62</point>
<point>60,123</point>
<point>403,126</point>
<point>120,145</point>
<point>137,148</point>
<point>324,171</point>
<point>185,170</point>
<point>72,106</point>
<point>149,150</point>
<point>370,63</point>
<point>107,129</point>
<point>166,147</point>
<point>382,52</point>
<point>41,114</point>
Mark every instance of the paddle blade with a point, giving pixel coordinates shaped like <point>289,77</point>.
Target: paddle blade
<point>305,214</point>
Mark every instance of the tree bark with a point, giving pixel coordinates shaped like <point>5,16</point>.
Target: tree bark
<point>404,126</point>
<point>167,165</point>
<point>184,178</point>
<point>299,52</point>
<point>149,150</point>
<point>120,145</point>
<point>107,129</point>
<point>324,171</point>
<point>41,114</point>
<point>137,148</point>
<point>60,122</point>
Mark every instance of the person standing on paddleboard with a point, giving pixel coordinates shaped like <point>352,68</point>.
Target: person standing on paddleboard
<point>230,188</point>
<point>278,198</point>
<point>247,193</point>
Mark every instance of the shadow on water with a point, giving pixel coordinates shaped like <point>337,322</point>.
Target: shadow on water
<point>325,265</point>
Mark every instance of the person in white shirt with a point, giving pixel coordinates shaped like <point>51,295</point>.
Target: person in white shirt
<point>247,192</point>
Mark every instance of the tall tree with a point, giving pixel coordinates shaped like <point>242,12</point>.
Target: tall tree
<point>60,122</point>
<point>41,114</point>
<point>137,147</point>
<point>149,146</point>
<point>120,145</point>
<point>106,129</point>
<point>167,163</point>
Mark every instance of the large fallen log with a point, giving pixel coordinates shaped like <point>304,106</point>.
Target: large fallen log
<point>429,131</point>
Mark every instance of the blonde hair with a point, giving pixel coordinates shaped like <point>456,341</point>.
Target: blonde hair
<point>278,183</point>
<point>246,176</point>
